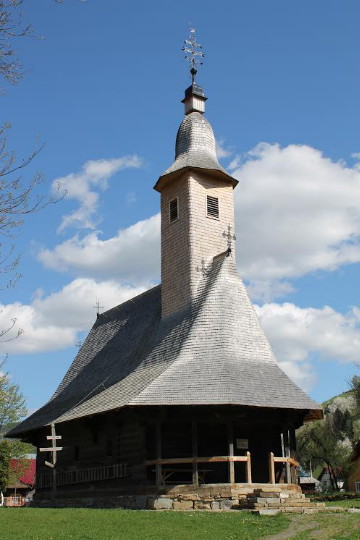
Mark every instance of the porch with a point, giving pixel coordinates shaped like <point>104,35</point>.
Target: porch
<point>220,447</point>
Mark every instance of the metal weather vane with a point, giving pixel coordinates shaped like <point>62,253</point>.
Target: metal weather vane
<point>194,53</point>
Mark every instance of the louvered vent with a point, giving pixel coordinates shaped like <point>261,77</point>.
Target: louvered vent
<point>173,210</point>
<point>212,206</point>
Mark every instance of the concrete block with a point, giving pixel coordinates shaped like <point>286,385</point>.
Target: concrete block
<point>215,505</point>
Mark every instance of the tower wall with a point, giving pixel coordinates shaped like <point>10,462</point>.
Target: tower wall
<point>190,243</point>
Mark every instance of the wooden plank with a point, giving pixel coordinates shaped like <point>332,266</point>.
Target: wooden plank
<point>195,469</point>
<point>213,459</point>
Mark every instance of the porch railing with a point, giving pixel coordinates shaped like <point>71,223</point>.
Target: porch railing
<point>14,500</point>
<point>290,468</point>
<point>78,476</point>
<point>163,474</point>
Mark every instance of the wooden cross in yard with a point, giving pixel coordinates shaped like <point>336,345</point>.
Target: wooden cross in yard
<point>54,450</point>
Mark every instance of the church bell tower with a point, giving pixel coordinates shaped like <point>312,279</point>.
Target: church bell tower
<point>197,205</point>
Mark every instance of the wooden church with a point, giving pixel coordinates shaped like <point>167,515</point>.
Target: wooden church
<point>175,399</point>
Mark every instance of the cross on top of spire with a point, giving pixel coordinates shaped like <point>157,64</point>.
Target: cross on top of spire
<point>194,54</point>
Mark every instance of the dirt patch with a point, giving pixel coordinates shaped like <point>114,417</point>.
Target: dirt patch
<point>322,526</point>
<point>297,525</point>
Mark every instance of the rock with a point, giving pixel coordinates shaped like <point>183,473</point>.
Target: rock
<point>161,504</point>
<point>267,512</point>
<point>226,504</point>
<point>201,505</point>
<point>183,505</point>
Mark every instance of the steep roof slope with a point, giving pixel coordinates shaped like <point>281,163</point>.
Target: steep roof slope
<point>212,353</point>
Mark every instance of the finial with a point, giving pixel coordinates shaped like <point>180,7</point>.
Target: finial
<point>193,53</point>
<point>98,307</point>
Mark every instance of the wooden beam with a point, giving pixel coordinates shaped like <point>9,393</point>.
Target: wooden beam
<point>213,459</point>
<point>287,454</point>
<point>158,460</point>
<point>248,468</point>
<point>231,453</point>
<point>195,473</point>
<point>271,468</point>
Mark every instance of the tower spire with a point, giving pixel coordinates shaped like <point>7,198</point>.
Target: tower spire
<point>194,95</point>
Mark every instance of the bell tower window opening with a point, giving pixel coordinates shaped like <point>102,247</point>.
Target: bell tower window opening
<point>212,207</point>
<point>174,210</point>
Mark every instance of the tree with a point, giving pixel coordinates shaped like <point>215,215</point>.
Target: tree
<point>11,27</point>
<point>12,402</point>
<point>329,442</point>
<point>12,410</point>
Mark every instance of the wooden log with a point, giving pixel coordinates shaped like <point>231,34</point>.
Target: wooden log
<point>213,459</point>
<point>287,455</point>
<point>231,453</point>
<point>248,468</point>
<point>159,479</point>
<point>271,468</point>
<point>195,469</point>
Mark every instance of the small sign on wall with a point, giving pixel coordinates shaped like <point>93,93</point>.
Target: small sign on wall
<point>242,444</point>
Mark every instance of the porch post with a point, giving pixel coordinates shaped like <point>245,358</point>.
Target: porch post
<point>287,454</point>
<point>292,440</point>
<point>271,468</point>
<point>195,471</point>
<point>231,452</point>
<point>158,467</point>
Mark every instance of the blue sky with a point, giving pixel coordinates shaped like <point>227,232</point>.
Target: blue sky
<point>102,90</point>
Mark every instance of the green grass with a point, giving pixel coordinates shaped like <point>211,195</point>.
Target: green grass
<point>345,503</point>
<point>80,523</point>
<point>324,527</point>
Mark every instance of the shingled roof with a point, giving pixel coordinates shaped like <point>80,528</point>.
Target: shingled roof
<point>195,148</point>
<point>214,352</point>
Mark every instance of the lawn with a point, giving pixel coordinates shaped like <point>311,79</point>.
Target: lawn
<point>345,503</point>
<point>88,524</point>
<point>41,524</point>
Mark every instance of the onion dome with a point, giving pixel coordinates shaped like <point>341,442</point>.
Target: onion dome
<point>195,146</point>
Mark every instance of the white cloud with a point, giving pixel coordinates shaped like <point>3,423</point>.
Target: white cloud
<point>296,212</point>
<point>52,323</point>
<point>296,334</point>
<point>82,187</point>
<point>221,150</point>
<point>132,255</point>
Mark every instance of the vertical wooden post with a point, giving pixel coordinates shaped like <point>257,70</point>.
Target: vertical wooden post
<point>195,470</point>
<point>287,454</point>
<point>159,478</point>
<point>271,468</point>
<point>248,468</point>
<point>292,440</point>
<point>231,452</point>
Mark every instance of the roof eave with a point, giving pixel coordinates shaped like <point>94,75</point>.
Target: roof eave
<point>216,173</point>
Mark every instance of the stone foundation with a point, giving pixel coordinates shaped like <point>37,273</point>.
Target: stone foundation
<point>214,497</point>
